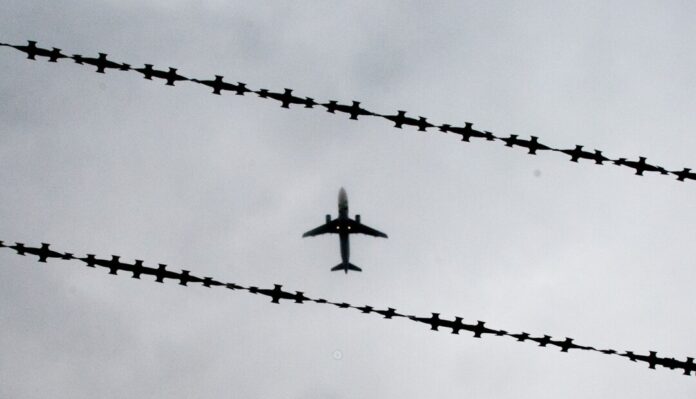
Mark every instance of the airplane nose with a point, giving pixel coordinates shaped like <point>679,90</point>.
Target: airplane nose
<point>342,198</point>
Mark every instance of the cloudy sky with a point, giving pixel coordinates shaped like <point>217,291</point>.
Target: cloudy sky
<point>225,186</point>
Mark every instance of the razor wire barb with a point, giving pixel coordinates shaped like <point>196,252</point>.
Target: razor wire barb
<point>354,110</point>
<point>277,294</point>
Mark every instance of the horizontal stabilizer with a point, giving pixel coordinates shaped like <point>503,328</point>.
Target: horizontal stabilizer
<point>345,267</point>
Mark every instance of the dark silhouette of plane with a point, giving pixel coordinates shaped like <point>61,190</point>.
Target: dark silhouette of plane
<point>532,145</point>
<point>344,226</point>
<point>286,98</point>
<point>401,119</point>
<point>32,51</point>
<point>44,252</point>
<point>101,63</point>
<point>685,174</point>
<point>467,131</point>
<point>578,153</point>
<point>170,76</point>
<point>640,166</point>
<point>354,110</point>
<point>218,85</point>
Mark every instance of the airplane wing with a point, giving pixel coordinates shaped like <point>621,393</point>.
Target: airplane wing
<point>325,228</point>
<point>357,227</point>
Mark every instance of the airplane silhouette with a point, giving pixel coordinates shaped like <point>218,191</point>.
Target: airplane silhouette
<point>467,131</point>
<point>578,153</point>
<point>218,85</point>
<point>354,110</point>
<point>343,225</point>
<point>170,76</point>
<point>640,166</point>
<point>685,174</point>
<point>101,63</point>
<point>43,253</point>
<point>401,119</point>
<point>532,145</point>
<point>286,98</point>
<point>32,51</point>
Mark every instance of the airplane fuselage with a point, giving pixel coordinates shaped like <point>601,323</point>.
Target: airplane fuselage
<point>343,228</point>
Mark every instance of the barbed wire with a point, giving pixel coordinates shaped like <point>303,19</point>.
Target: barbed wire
<point>354,110</point>
<point>161,274</point>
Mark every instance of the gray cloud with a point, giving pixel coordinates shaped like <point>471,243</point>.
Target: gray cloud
<point>225,186</point>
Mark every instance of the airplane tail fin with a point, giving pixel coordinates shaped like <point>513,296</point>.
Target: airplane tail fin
<point>345,267</point>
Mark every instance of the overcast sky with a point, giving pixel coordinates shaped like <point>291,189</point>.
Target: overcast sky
<point>225,186</point>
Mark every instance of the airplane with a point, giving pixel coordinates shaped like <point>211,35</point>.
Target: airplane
<point>33,51</point>
<point>101,63</point>
<point>354,110</point>
<point>578,153</point>
<point>467,131</point>
<point>533,145</point>
<point>170,76</point>
<point>685,174</point>
<point>344,226</point>
<point>43,253</point>
<point>401,119</point>
<point>640,166</point>
<point>218,85</point>
<point>286,98</point>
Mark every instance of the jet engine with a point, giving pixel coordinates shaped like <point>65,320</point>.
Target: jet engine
<point>328,218</point>
<point>357,218</point>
